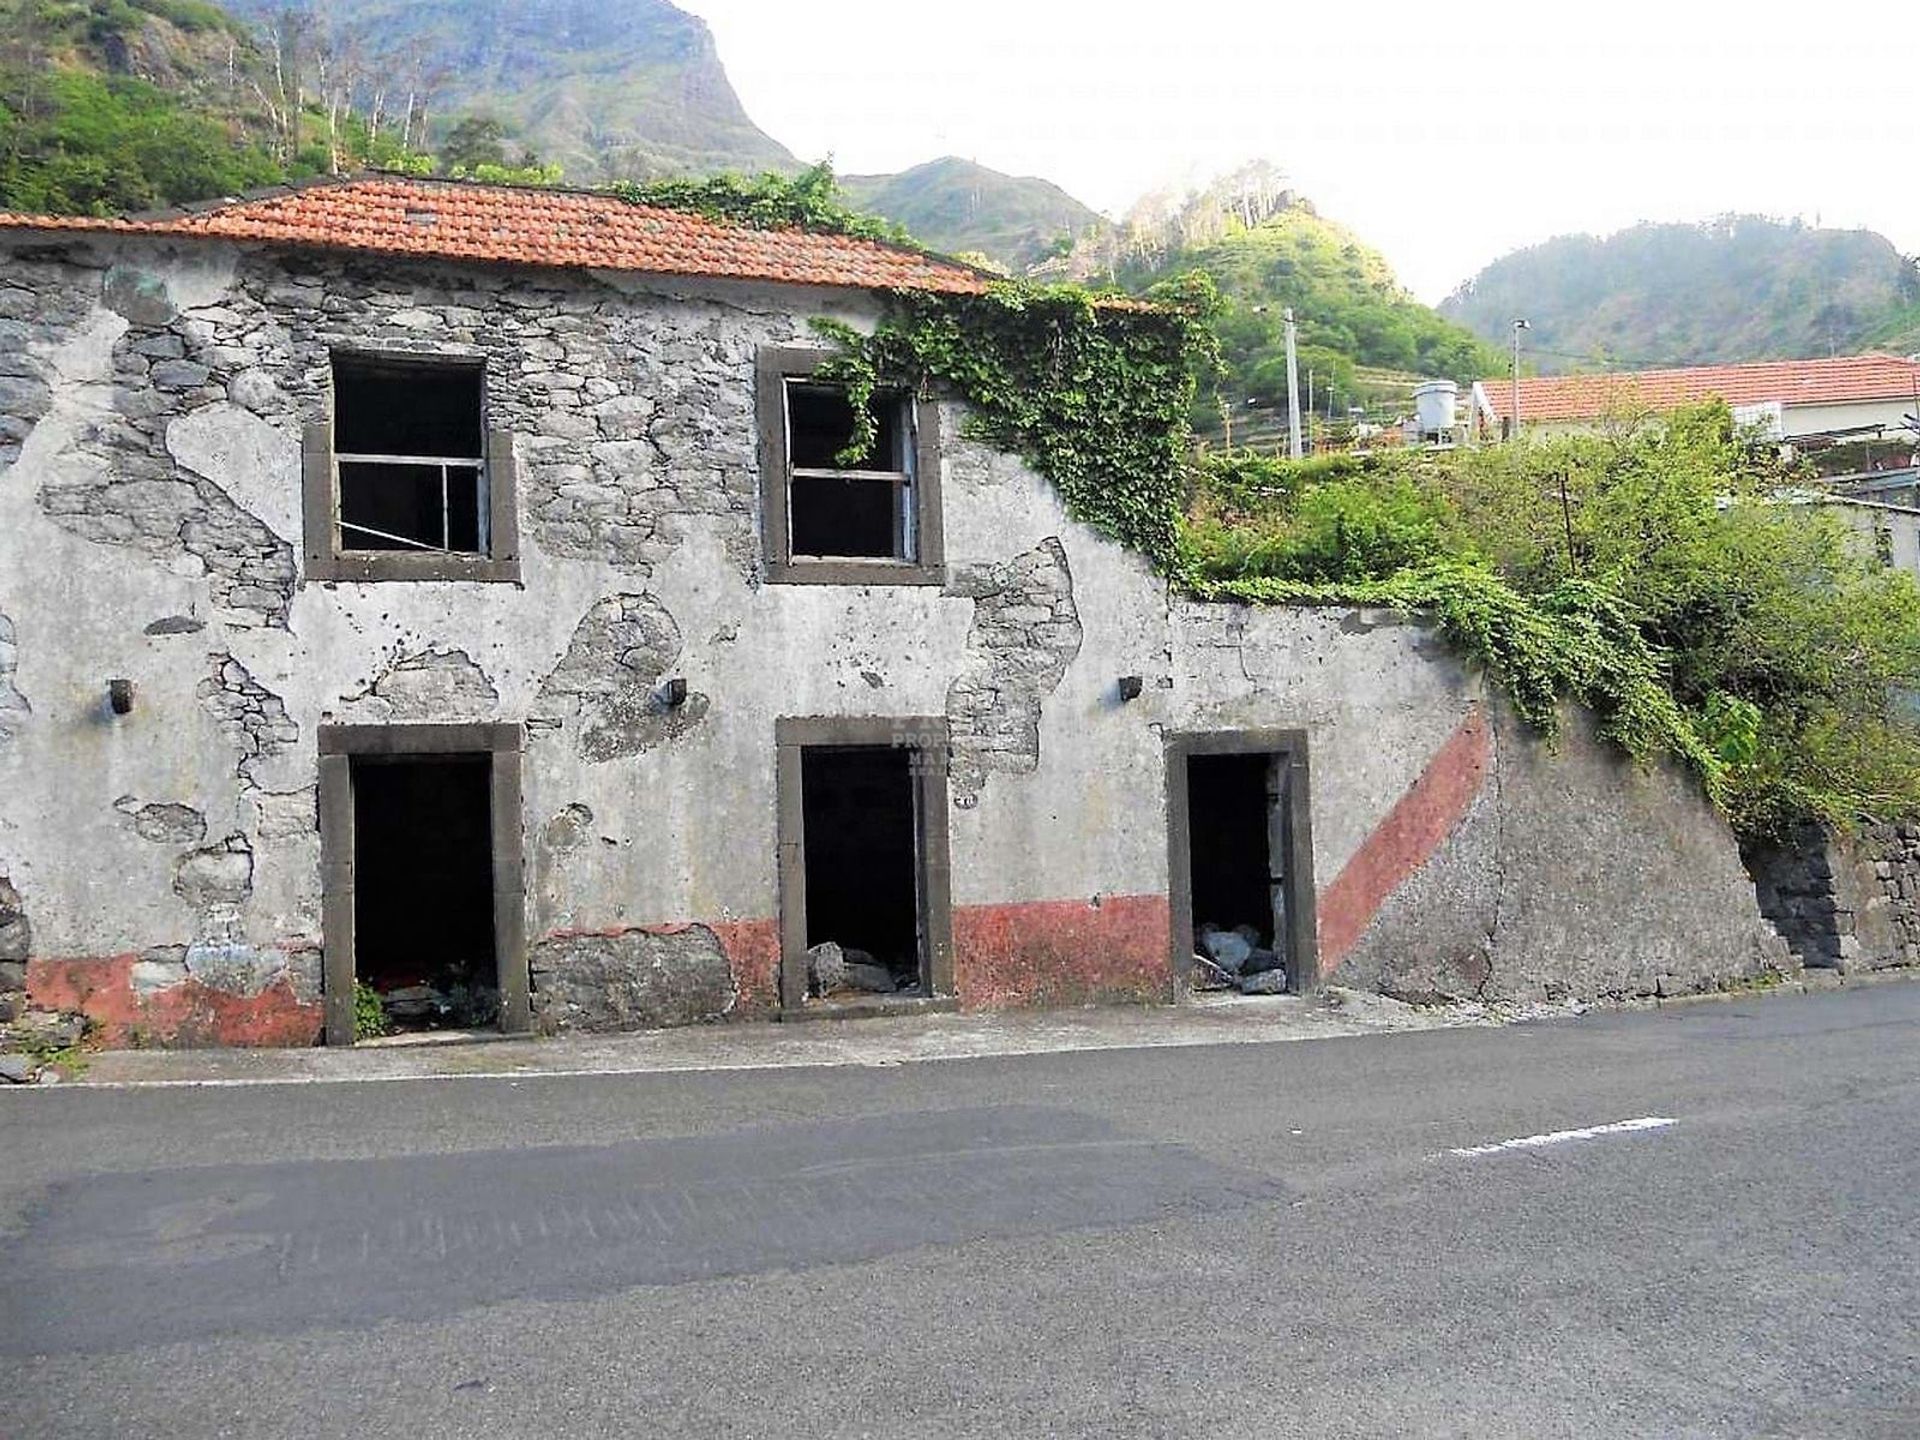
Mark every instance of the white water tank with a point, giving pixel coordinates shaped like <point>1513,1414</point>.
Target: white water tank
<point>1433,407</point>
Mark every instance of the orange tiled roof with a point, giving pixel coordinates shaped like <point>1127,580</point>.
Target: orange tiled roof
<point>1846,380</point>
<point>520,225</point>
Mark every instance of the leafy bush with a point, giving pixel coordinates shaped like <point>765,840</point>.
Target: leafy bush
<point>84,144</point>
<point>1329,530</point>
<point>1670,578</point>
<point>807,201</point>
<point>369,1014</point>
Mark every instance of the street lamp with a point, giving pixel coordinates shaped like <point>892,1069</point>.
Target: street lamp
<point>1518,326</point>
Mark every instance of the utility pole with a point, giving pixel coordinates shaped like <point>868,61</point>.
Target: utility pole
<point>1518,326</point>
<point>1293,387</point>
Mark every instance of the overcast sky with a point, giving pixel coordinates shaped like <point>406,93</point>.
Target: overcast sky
<point>1446,134</point>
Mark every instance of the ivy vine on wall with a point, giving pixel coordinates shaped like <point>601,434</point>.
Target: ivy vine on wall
<point>1092,392</point>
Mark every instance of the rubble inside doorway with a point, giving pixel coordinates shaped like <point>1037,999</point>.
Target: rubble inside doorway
<point>834,970</point>
<point>1236,960</point>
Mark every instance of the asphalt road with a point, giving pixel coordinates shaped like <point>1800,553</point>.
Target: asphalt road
<point>1316,1238</point>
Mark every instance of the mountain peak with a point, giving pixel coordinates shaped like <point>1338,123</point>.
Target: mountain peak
<point>606,89</point>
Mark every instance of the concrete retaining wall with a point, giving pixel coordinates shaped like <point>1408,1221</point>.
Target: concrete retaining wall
<point>162,869</point>
<point>1559,872</point>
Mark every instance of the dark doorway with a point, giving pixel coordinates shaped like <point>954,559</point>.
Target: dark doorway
<point>1228,808</point>
<point>859,814</point>
<point>423,891</point>
<point>1242,866</point>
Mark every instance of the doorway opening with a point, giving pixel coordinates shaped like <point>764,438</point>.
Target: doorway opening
<point>863,881</point>
<point>1242,863</point>
<point>423,892</point>
<point>861,819</point>
<point>422,902</point>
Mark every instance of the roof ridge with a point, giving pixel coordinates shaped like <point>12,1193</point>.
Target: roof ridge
<point>605,193</point>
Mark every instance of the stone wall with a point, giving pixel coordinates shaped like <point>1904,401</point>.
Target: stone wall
<point>152,404</point>
<point>1843,902</point>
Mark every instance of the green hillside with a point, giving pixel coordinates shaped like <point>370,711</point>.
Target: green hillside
<point>112,105</point>
<point>1742,287</point>
<point>127,104</point>
<point>1898,331</point>
<point>1362,339</point>
<point>956,205</point>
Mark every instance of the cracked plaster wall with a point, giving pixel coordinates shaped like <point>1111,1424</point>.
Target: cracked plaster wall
<point>1025,633</point>
<point>431,686</point>
<point>14,708</point>
<point>148,500</point>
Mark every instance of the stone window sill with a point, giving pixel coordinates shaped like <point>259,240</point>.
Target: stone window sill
<point>853,572</point>
<point>390,566</point>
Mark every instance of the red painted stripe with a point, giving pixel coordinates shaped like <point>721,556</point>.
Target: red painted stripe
<point>1405,840</point>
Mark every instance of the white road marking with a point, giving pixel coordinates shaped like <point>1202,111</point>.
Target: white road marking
<point>1560,1137</point>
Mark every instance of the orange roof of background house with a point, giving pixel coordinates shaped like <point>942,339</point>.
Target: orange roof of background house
<point>522,225</point>
<point>1850,378</point>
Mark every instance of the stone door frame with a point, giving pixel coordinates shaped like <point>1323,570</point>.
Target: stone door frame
<point>503,745</point>
<point>1289,747</point>
<point>926,736</point>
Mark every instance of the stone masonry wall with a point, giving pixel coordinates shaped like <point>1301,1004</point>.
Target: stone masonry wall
<point>151,407</point>
<point>1843,902</point>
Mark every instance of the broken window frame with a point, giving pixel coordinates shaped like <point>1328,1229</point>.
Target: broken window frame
<point>927,738</point>
<point>329,556</point>
<point>917,486</point>
<point>338,745</point>
<point>1289,751</point>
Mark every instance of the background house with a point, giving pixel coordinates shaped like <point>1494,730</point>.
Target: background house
<point>1851,415</point>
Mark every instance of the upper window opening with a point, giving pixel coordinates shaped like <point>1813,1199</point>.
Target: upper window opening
<point>864,510</point>
<point>410,451</point>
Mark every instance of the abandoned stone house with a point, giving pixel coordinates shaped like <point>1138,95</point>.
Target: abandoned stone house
<point>459,591</point>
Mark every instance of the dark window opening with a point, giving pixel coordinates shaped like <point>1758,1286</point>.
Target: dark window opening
<point>839,510</point>
<point>423,889</point>
<point>409,446</point>
<point>860,822</point>
<point>850,518</point>
<point>1236,825</point>
<point>820,426</point>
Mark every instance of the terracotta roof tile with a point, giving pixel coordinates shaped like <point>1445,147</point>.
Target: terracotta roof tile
<point>1848,379</point>
<point>502,224</point>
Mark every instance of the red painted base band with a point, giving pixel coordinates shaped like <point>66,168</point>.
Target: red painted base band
<point>1062,952</point>
<point>753,952</point>
<point>187,1014</point>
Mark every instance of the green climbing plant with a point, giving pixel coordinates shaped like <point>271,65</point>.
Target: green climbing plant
<point>1578,642</point>
<point>1092,391</point>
